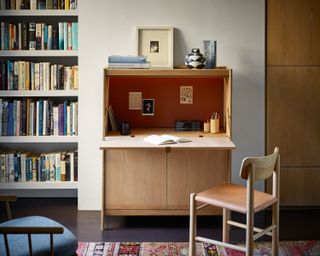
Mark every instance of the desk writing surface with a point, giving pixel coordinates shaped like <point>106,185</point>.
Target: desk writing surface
<point>114,142</point>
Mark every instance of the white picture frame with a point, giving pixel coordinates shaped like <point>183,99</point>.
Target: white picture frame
<point>157,44</point>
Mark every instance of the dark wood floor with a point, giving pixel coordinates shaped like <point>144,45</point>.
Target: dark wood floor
<point>295,224</point>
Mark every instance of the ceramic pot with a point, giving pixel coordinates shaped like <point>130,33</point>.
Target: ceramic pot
<point>195,59</point>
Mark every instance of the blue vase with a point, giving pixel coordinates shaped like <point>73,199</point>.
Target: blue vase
<point>210,53</point>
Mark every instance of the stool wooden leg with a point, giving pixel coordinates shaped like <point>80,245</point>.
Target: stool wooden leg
<point>275,232</point>
<point>193,225</point>
<point>225,226</point>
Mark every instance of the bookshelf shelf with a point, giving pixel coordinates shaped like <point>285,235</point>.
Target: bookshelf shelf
<point>219,72</point>
<point>42,93</point>
<point>40,185</point>
<point>38,53</point>
<point>39,139</point>
<point>38,12</point>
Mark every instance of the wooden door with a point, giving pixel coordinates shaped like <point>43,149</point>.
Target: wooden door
<point>194,171</point>
<point>135,179</point>
<point>293,97</point>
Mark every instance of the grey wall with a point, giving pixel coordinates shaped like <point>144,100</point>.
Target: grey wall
<point>108,27</point>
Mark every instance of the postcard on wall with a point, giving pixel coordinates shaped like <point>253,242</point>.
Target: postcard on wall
<point>135,100</point>
<point>186,94</point>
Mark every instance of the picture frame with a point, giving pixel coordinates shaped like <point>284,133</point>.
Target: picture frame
<point>157,44</point>
<point>148,107</point>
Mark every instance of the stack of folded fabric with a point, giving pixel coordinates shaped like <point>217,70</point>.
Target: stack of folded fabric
<point>128,62</point>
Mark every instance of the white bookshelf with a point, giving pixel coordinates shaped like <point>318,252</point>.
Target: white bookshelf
<point>42,93</point>
<point>40,185</point>
<point>41,144</point>
<point>38,12</point>
<point>39,139</point>
<point>38,53</point>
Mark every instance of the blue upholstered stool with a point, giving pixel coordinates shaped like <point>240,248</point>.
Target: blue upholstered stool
<point>65,244</point>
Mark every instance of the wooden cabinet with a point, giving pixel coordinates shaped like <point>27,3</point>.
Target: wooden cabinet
<point>140,178</point>
<point>293,97</point>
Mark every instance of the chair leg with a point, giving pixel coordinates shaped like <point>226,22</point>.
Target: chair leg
<point>249,233</point>
<point>225,225</point>
<point>192,225</point>
<point>275,232</point>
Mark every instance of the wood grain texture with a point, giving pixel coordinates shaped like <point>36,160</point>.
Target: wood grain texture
<point>293,111</point>
<point>293,32</point>
<point>194,172</point>
<point>219,72</point>
<point>135,179</point>
<point>299,186</point>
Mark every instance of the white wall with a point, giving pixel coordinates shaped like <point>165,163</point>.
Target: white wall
<point>108,27</point>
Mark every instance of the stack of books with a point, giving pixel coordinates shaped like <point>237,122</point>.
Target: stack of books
<point>128,62</point>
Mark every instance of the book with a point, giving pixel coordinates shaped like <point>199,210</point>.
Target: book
<point>113,119</point>
<point>127,59</point>
<point>165,139</point>
<point>129,65</point>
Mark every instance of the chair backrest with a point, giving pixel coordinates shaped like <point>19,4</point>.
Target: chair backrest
<point>263,166</point>
<point>7,199</point>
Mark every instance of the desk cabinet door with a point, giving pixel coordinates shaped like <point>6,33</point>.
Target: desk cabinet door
<point>194,171</point>
<point>135,179</point>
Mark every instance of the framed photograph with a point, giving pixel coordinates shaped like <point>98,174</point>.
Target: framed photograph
<point>148,107</point>
<point>157,44</point>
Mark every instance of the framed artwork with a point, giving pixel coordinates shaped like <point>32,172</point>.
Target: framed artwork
<point>148,107</point>
<point>157,44</point>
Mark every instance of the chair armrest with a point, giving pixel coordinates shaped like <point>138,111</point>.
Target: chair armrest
<point>31,230</point>
<point>8,198</point>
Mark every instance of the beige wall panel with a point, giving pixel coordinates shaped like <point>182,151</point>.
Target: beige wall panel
<point>293,32</point>
<point>135,179</point>
<point>293,114</point>
<point>194,171</point>
<point>300,186</point>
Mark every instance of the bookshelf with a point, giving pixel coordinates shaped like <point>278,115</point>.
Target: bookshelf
<point>133,168</point>
<point>65,143</point>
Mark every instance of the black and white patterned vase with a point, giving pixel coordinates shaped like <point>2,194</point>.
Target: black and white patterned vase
<point>195,59</point>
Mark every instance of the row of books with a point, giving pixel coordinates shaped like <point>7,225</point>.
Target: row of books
<point>38,117</point>
<point>128,62</point>
<point>23,167</point>
<point>26,75</point>
<point>38,4</point>
<point>39,36</point>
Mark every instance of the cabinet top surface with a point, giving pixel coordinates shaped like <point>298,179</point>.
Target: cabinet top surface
<point>137,141</point>
<point>218,72</point>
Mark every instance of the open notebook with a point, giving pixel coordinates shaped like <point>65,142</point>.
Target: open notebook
<point>165,139</point>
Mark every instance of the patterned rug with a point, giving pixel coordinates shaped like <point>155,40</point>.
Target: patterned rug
<point>287,248</point>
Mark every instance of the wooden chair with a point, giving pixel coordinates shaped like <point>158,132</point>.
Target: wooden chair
<point>247,200</point>
<point>49,236</point>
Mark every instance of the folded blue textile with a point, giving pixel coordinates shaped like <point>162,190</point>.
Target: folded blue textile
<point>127,59</point>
